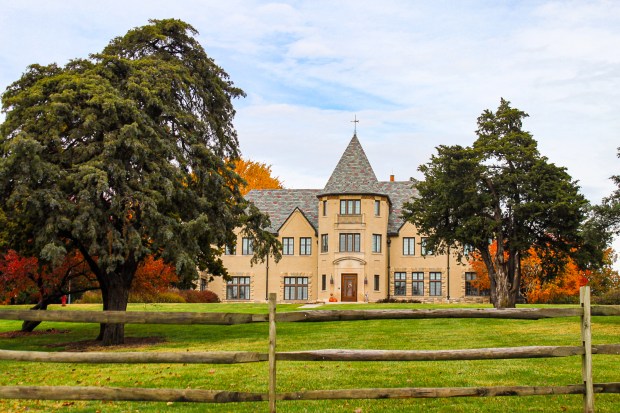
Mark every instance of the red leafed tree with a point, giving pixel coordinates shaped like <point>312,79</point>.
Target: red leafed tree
<point>153,276</point>
<point>535,286</point>
<point>26,276</point>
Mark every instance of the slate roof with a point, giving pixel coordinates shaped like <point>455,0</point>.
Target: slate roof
<point>399,192</point>
<point>353,174</point>
<point>280,204</point>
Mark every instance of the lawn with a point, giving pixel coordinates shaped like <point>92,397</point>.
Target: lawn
<point>294,376</point>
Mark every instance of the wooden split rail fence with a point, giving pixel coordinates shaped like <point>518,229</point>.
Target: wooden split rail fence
<point>587,388</point>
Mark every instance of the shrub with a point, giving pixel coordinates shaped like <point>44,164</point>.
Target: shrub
<point>611,297</point>
<point>194,296</point>
<point>91,297</point>
<point>155,297</point>
<point>395,300</point>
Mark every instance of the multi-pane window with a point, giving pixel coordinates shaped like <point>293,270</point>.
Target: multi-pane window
<point>238,288</point>
<point>288,246</point>
<point>377,281</point>
<point>295,288</point>
<point>203,284</point>
<point>349,242</point>
<point>324,208</point>
<point>424,249</point>
<point>324,282</point>
<point>408,246</point>
<point>230,250</point>
<point>350,207</point>
<point>324,243</point>
<point>247,246</point>
<point>377,208</point>
<point>417,283</point>
<point>468,249</point>
<point>472,290</point>
<point>434,285</point>
<point>400,283</point>
<point>305,246</point>
<point>376,242</point>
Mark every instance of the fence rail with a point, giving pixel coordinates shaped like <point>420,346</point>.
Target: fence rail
<point>587,388</point>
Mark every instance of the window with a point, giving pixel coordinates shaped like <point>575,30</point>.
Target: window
<point>468,249</point>
<point>230,250</point>
<point>295,288</point>
<point>288,246</point>
<point>417,283</point>
<point>424,250</point>
<point>349,242</point>
<point>324,243</point>
<point>203,284</point>
<point>376,242</point>
<point>324,282</point>
<point>377,208</point>
<point>377,280</point>
<point>400,283</point>
<point>472,290</point>
<point>247,247</point>
<point>324,208</point>
<point>409,246</point>
<point>435,283</point>
<point>238,288</point>
<point>350,207</point>
<point>305,246</point>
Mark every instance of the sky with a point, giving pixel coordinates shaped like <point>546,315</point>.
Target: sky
<point>416,74</point>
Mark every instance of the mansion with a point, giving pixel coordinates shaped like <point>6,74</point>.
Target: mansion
<point>346,242</point>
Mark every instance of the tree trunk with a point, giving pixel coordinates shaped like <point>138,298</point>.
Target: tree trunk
<point>29,326</point>
<point>115,299</point>
<point>504,296</point>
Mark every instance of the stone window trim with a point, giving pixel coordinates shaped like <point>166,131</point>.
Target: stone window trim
<point>434,284</point>
<point>350,242</point>
<point>400,284</point>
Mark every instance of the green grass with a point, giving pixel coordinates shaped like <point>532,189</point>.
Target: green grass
<point>295,376</point>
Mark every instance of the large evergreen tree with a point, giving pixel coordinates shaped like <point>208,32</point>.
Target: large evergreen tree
<point>126,154</point>
<point>500,189</point>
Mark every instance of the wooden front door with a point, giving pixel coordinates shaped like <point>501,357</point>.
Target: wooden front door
<point>349,287</point>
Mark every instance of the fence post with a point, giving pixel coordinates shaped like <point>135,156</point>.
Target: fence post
<point>586,359</point>
<point>272,352</point>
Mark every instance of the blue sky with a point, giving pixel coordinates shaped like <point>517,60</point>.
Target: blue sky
<point>416,74</point>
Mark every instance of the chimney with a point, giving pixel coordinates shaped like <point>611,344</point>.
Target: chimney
<point>391,178</point>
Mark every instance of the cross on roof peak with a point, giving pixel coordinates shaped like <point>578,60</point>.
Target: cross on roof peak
<point>355,122</point>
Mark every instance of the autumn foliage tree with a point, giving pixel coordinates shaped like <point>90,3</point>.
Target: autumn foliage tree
<point>153,276</point>
<point>537,284</point>
<point>42,283</point>
<point>257,175</point>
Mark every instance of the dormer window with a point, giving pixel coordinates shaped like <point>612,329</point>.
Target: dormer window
<point>350,207</point>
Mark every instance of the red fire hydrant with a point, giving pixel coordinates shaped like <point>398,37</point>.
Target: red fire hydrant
<point>63,300</point>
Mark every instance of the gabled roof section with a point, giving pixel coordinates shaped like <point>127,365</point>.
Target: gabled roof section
<point>303,215</point>
<point>280,204</point>
<point>353,174</point>
<point>399,192</point>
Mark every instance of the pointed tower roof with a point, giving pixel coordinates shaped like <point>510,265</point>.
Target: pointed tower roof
<point>353,174</point>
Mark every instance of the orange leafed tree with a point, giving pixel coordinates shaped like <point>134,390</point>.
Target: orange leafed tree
<point>153,276</point>
<point>534,286</point>
<point>257,175</point>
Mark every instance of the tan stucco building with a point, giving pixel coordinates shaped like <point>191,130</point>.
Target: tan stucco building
<point>345,242</point>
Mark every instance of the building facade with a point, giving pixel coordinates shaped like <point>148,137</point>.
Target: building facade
<point>346,242</point>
